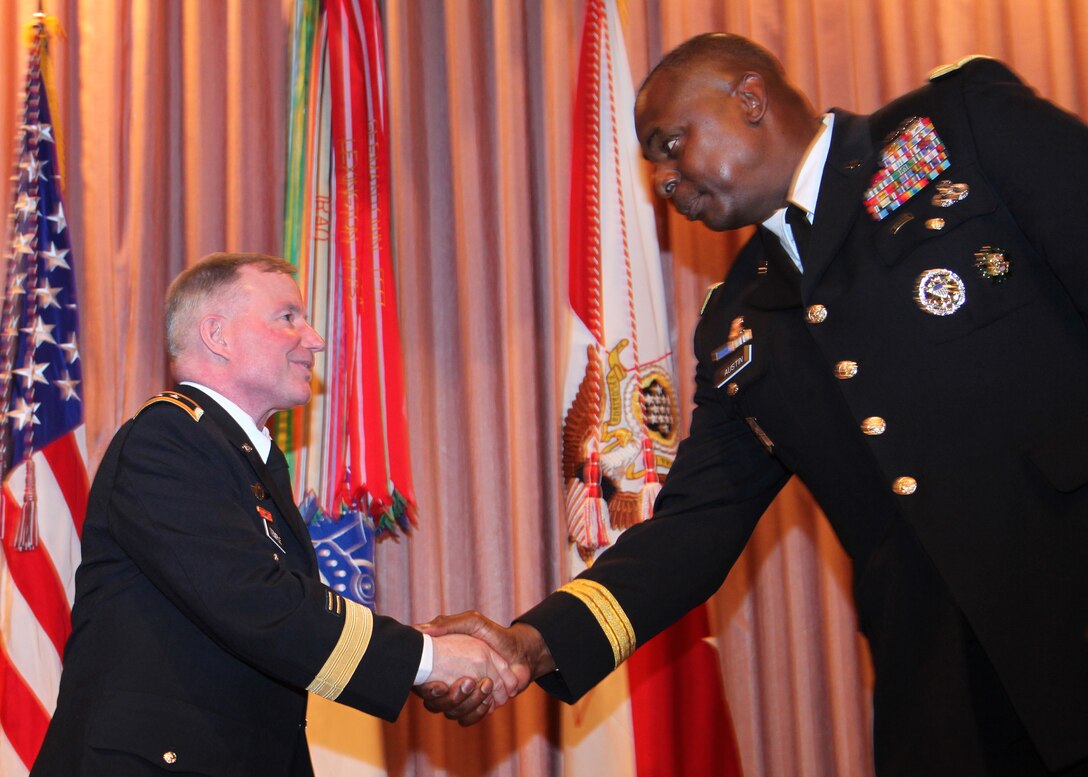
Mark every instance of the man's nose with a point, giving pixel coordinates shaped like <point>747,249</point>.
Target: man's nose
<point>311,340</point>
<point>665,181</point>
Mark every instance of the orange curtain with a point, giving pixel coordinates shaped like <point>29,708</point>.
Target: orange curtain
<point>173,119</point>
<point>174,115</point>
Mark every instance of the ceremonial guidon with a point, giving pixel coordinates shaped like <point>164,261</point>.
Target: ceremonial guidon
<point>925,376</point>
<point>199,617</point>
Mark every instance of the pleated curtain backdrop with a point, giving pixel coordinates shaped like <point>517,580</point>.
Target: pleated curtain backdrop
<point>174,114</point>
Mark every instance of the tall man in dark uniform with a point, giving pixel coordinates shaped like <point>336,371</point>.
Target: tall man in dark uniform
<point>906,333</point>
<point>200,623</point>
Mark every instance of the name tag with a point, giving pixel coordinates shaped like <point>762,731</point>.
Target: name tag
<point>274,536</point>
<point>740,359</point>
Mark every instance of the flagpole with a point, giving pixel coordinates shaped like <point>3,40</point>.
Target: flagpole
<point>8,323</point>
<point>42,442</point>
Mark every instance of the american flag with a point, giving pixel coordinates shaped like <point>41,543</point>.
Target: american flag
<point>42,443</point>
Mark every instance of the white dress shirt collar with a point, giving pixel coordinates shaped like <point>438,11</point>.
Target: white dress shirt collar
<point>260,438</point>
<point>805,189</point>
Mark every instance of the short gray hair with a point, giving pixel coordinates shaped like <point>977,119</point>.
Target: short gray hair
<point>207,278</point>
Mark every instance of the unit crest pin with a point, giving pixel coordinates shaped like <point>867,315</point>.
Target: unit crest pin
<point>948,193</point>
<point>939,292</point>
<point>993,263</point>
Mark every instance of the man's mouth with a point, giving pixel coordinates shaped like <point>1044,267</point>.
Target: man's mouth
<point>690,209</point>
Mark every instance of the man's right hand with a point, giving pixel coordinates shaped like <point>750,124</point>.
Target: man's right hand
<point>459,658</point>
<point>521,645</point>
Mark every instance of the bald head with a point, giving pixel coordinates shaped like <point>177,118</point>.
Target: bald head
<point>723,53</point>
<point>724,58</point>
<point>724,129</point>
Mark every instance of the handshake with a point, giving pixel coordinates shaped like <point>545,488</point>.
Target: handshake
<point>478,665</point>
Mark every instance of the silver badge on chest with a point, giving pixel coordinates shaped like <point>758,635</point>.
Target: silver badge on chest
<point>939,292</point>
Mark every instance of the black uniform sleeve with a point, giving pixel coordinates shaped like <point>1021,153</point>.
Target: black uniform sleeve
<point>720,484</point>
<point>176,509</point>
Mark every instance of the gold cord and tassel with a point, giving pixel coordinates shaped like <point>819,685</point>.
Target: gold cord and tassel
<point>26,536</point>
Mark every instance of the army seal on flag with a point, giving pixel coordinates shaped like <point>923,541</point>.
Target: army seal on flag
<point>636,440</point>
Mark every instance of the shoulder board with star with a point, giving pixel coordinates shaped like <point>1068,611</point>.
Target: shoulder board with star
<point>194,410</point>
<point>709,293</point>
<point>944,70</point>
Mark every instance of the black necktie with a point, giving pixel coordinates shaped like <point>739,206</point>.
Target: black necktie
<point>276,459</point>
<point>802,230</point>
<point>279,471</point>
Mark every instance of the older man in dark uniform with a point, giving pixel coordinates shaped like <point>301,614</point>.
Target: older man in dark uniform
<point>907,334</point>
<point>200,623</point>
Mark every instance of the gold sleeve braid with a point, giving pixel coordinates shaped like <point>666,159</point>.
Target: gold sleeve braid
<point>349,650</point>
<point>610,616</point>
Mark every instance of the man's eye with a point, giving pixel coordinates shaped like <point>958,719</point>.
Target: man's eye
<point>671,145</point>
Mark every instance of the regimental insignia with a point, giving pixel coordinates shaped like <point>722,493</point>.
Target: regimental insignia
<point>258,491</point>
<point>736,329</point>
<point>737,352</point>
<point>939,292</point>
<point>267,516</point>
<point>948,193</point>
<point>993,264</point>
<point>627,413</point>
<point>247,447</point>
<point>912,158</point>
<point>737,337</point>
<point>194,410</point>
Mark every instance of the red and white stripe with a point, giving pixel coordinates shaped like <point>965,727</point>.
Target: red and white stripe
<point>37,589</point>
<point>645,719</point>
<point>376,461</point>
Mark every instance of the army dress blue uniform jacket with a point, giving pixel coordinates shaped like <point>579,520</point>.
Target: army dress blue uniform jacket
<point>965,433</point>
<point>199,619</point>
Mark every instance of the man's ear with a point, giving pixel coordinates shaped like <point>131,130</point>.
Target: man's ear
<point>213,333</point>
<point>751,89</point>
